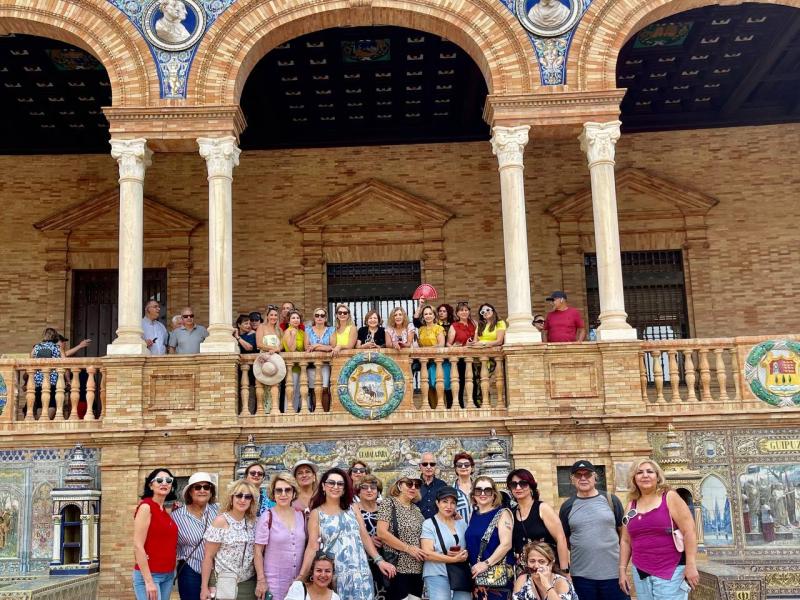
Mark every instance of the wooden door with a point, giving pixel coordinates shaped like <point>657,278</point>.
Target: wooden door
<point>94,305</point>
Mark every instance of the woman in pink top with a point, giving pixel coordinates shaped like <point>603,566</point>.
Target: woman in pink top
<point>280,540</point>
<point>660,571</point>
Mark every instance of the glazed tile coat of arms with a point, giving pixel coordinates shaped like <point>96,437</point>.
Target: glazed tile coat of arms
<point>371,385</point>
<point>772,370</point>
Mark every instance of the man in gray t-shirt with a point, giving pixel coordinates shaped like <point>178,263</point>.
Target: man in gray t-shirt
<point>591,521</point>
<point>187,339</point>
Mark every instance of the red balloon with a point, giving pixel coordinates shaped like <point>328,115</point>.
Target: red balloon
<point>425,290</point>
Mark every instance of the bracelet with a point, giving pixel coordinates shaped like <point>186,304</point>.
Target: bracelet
<point>378,559</point>
<point>547,591</point>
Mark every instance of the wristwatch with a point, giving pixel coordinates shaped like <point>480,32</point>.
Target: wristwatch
<point>565,570</point>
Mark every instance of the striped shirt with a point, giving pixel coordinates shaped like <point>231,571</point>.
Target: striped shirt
<point>190,534</point>
<point>463,503</point>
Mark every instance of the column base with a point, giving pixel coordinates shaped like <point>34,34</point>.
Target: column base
<point>522,335</point>
<point>211,346</point>
<point>118,348</point>
<point>616,335</point>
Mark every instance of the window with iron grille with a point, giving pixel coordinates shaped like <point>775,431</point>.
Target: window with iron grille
<point>655,293</point>
<point>373,286</point>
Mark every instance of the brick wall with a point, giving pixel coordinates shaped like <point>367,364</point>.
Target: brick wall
<point>748,258</point>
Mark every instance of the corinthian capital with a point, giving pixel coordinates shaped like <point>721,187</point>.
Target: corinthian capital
<point>133,157</point>
<point>508,144</point>
<point>221,154</point>
<point>598,141</point>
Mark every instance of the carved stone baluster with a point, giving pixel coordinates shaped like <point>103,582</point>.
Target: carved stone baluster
<point>469,384</point>
<point>91,387</point>
<point>30,395</point>
<point>74,393</point>
<point>318,384</point>
<point>643,375</point>
<point>705,375</point>
<point>674,376</point>
<point>424,384</point>
<point>440,384</point>
<point>455,384</point>
<point>273,398</point>
<point>735,373</point>
<point>304,387</point>
<point>500,383</point>
<point>289,394</point>
<point>485,380</point>
<point>46,395</point>
<point>244,391</point>
<point>691,378</point>
<point>260,390</point>
<point>59,415</point>
<point>722,376</point>
<point>658,375</point>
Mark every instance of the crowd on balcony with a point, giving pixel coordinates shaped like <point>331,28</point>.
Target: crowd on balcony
<point>337,534</point>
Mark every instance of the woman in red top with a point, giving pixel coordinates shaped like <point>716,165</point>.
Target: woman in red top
<point>155,538</point>
<point>462,333</point>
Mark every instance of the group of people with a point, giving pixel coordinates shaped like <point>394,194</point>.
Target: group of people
<point>337,535</point>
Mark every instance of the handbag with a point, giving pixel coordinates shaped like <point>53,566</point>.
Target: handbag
<point>496,576</point>
<point>228,583</point>
<point>677,538</point>
<point>458,574</point>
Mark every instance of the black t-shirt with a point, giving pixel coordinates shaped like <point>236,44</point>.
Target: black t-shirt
<point>379,337</point>
<point>530,530</point>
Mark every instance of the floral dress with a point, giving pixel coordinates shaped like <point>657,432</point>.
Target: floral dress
<point>235,554</point>
<point>341,536</point>
<point>528,591</point>
<point>50,350</point>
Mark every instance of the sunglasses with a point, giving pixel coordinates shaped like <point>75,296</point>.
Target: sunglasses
<point>273,307</point>
<point>484,491</point>
<point>463,465</point>
<point>342,312</point>
<point>334,483</point>
<point>256,474</point>
<point>160,480</point>
<point>486,311</point>
<point>582,475</point>
<point>368,487</point>
<point>243,496</point>
<point>320,315</point>
<point>283,491</point>
<point>539,322</point>
<point>188,316</point>
<point>518,485</point>
<point>629,515</point>
<point>412,483</point>
<point>358,470</point>
<point>201,486</point>
<point>427,464</point>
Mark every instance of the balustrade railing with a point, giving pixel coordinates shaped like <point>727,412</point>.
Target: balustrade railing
<point>69,389</point>
<point>690,370</point>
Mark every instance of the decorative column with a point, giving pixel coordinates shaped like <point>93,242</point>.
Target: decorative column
<point>598,141</point>
<point>86,539</point>
<point>56,556</point>
<point>133,157</point>
<point>508,144</point>
<point>222,155</point>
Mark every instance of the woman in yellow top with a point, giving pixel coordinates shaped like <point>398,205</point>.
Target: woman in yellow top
<point>431,335</point>
<point>491,329</point>
<point>345,335</point>
<point>269,334</point>
<point>294,340</point>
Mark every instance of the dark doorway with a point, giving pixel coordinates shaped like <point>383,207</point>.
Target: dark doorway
<point>94,305</point>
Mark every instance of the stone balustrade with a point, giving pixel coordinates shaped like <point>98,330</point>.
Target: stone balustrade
<point>77,395</point>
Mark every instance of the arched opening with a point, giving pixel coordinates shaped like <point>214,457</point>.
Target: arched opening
<point>70,535</point>
<point>363,86</point>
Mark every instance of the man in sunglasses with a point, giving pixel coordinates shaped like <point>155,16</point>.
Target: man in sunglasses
<point>187,339</point>
<point>592,521</point>
<point>430,485</point>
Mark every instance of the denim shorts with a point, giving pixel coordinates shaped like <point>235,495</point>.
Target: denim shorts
<point>656,588</point>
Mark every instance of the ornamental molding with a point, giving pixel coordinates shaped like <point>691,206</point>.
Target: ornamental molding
<point>547,109</point>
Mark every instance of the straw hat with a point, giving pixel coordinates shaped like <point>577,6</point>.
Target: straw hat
<point>269,369</point>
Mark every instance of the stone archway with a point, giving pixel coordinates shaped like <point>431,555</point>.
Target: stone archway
<point>97,28</point>
<point>605,28</point>
<point>247,31</point>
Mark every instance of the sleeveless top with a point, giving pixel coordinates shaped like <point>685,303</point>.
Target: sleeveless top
<point>299,342</point>
<point>161,543</point>
<point>464,332</point>
<point>478,524</point>
<point>343,338</point>
<point>652,548</point>
<point>325,339</point>
<point>530,530</point>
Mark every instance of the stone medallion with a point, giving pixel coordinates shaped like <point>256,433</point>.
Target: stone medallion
<point>548,18</point>
<point>772,370</point>
<point>173,25</point>
<point>371,385</point>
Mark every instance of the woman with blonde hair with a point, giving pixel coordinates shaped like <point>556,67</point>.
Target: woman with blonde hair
<point>321,338</point>
<point>280,540</point>
<point>345,336</point>
<point>399,329</point>
<point>538,581</point>
<point>269,334</point>
<point>664,560</point>
<point>229,545</point>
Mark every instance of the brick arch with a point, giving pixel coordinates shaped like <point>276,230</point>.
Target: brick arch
<point>243,34</point>
<point>101,30</point>
<point>606,27</point>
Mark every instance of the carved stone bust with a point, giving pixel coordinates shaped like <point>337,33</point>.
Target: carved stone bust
<point>548,14</point>
<point>170,27</point>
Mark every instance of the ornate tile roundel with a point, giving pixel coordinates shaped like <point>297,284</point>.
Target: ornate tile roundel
<point>548,18</point>
<point>173,25</point>
<point>772,370</point>
<point>371,385</point>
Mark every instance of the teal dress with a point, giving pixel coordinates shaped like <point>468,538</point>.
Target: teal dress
<point>340,535</point>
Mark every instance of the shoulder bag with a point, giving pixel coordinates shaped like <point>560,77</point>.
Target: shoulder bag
<point>677,534</point>
<point>389,554</point>
<point>458,574</point>
<point>228,583</point>
<point>499,575</point>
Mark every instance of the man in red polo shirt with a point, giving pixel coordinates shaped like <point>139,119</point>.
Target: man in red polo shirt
<point>563,323</point>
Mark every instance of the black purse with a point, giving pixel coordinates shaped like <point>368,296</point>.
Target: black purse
<point>391,555</point>
<point>458,574</point>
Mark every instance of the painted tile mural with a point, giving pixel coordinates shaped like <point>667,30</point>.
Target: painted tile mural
<point>717,523</point>
<point>26,478</point>
<point>771,504</point>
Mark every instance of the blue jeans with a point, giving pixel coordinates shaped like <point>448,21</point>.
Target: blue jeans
<point>656,588</point>
<point>163,582</point>
<point>189,583</point>
<point>439,589</point>
<point>445,373</point>
<point>598,589</point>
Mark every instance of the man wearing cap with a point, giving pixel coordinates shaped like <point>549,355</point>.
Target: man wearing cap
<point>563,323</point>
<point>430,485</point>
<point>592,520</point>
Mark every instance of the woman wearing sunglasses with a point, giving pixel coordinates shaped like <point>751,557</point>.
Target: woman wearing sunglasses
<point>155,538</point>
<point>345,338</point>
<point>334,527</point>
<point>319,585</point>
<point>229,545</point>
<point>369,497</point>
<point>400,529</point>
<point>280,540</point>
<point>193,518</point>
<point>534,520</point>
<point>662,569</point>
<point>490,518</point>
<point>321,338</point>
<point>491,328</point>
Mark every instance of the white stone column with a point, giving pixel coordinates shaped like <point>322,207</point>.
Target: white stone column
<point>55,559</point>
<point>86,541</point>
<point>598,141</point>
<point>95,538</point>
<point>133,157</point>
<point>222,155</point>
<point>508,144</point>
